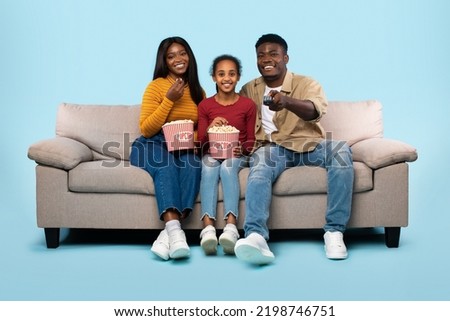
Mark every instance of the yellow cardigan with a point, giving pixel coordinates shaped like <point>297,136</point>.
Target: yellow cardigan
<point>157,109</point>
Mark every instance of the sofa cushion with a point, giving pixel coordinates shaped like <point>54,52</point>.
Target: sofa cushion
<point>381,152</point>
<point>110,177</point>
<point>107,129</point>
<point>313,180</point>
<point>110,130</point>
<point>353,121</point>
<point>121,177</point>
<point>59,152</point>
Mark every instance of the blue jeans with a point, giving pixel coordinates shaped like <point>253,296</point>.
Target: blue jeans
<point>228,172</point>
<point>176,175</point>
<point>269,161</point>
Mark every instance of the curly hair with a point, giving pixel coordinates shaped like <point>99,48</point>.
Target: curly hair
<point>274,38</point>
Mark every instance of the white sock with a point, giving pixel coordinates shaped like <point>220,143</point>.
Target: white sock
<point>172,226</point>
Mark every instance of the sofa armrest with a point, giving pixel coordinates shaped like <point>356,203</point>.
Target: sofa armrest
<point>60,152</point>
<point>381,152</point>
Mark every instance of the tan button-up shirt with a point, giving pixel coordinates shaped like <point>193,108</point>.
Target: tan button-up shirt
<point>292,132</point>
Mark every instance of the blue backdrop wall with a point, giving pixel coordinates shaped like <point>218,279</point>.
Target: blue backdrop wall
<point>103,51</point>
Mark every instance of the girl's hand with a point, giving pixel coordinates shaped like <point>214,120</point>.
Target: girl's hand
<point>218,121</point>
<point>175,91</point>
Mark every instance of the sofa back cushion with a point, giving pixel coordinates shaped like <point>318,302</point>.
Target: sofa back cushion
<point>109,130</point>
<point>353,121</point>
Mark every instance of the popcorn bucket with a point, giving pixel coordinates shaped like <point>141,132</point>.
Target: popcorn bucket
<point>221,144</point>
<point>179,135</point>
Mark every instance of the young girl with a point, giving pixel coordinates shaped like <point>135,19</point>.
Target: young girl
<point>224,108</point>
<point>173,95</point>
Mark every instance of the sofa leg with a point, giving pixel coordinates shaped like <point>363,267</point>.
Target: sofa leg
<point>52,237</point>
<point>392,236</point>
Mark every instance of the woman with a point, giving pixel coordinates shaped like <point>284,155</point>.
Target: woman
<point>173,94</point>
<point>226,107</point>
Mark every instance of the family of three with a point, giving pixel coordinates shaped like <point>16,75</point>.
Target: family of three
<point>278,118</point>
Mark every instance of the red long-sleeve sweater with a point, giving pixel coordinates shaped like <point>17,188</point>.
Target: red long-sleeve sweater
<point>241,115</point>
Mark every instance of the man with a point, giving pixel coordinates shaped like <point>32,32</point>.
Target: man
<point>289,134</point>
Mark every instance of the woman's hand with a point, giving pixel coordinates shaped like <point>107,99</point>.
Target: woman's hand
<point>175,91</point>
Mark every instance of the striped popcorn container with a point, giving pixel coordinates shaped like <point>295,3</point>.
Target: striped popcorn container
<point>221,143</point>
<point>179,134</point>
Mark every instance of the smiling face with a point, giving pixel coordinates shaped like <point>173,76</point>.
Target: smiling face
<point>177,60</point>
<point>226,76</point>
<point>271,61</point>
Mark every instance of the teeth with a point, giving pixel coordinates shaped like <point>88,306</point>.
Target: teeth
<point>268,67</point>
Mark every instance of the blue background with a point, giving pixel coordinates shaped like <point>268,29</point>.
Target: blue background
<point>93,51</point>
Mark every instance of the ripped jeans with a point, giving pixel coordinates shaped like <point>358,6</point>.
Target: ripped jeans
<point>227,171</point>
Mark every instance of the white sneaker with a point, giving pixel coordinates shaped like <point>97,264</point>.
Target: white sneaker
<point>161,245</point>
<point>334,245</point>
<point>178,247</point>
<point>228,238</point>
<point>254,249</point>
<point>209,240</point>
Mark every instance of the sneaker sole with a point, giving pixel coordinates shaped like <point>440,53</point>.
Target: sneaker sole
<point>227,245</point>
<point>253,255</point>
<point>336,256</point>
<point>180,253</point>
<point>209,247</point>
<point>164,255</point>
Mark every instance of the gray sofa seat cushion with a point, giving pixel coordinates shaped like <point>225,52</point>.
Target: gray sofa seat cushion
<point>313,180</point>
<point>102,177</point>
<point>121,177</point>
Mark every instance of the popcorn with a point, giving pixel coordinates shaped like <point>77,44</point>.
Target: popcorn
<point>223,129</point>
<point>181,121</point>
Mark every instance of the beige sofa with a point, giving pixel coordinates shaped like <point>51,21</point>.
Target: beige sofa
<point>84,179</point>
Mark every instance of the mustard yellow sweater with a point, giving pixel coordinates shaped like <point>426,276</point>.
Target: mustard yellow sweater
<point>157,109</point>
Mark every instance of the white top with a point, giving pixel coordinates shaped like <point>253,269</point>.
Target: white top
<point>267,114</point>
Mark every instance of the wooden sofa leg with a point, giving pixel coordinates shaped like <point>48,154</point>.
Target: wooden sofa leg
<point>52,237</point>
<point>392,236</point>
